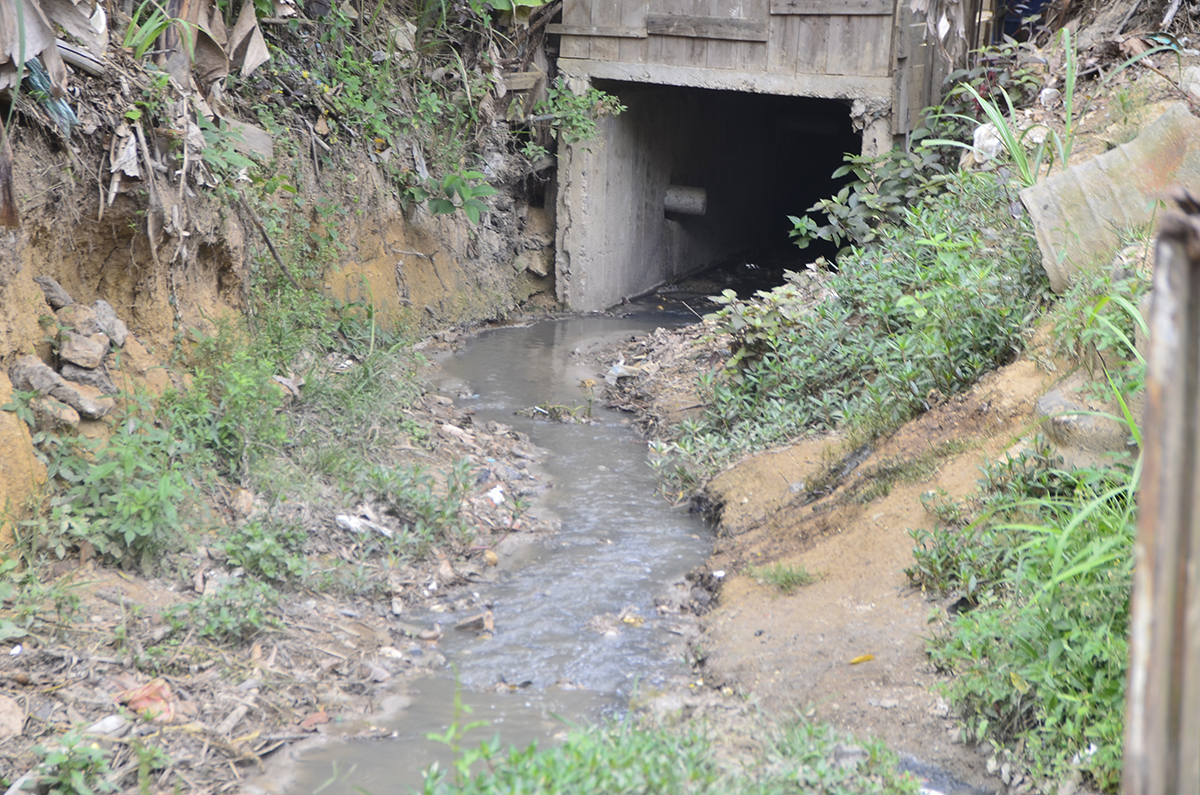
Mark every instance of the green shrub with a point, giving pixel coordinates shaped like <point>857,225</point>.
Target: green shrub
<point>264,548</point>
<point>1044,655</point>
<point>124,494</point>
<point>624,759</point>
<point>936,301</point>
<point>236,613</point>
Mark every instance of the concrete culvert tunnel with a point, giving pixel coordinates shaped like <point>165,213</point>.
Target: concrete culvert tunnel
<point>688,179</point>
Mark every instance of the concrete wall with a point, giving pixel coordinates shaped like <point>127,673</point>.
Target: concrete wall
<point>760,158</point>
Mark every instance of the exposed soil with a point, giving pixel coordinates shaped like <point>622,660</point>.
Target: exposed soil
<point>799,650</point>
<point>848,649</point>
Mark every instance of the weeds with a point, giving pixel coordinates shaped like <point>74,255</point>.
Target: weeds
<point>235,613</point>
<point>940,298</point>
<point>783,577</point>
<point>624,758</point>
<point>1046,565</point>
<point>75,767</point>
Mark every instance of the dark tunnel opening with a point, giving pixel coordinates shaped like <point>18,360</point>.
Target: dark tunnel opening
<point>759,157</point>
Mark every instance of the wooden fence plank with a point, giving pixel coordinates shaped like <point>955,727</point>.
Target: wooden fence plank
<point>706,27</point>
<point>1163,709</point>
<point>618,32</point>
<point>782,44</point>
<point>633,15</point>
<point>576,14</point>
<point>606,14</point>
<point>832,7</point>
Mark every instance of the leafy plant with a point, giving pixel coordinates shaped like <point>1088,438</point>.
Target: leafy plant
<point>461,191</point>
<point>236,613</point>
<point>626,758</point>
<point>76,766</point>
<point>877,193</point>
<point>574,115</point>
<point>265,549</point>
<point>150,20</point>
<point>939,298</point>
<point>1012,137</point>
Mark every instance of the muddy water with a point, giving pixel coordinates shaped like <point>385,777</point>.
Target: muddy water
<point>619,546</point>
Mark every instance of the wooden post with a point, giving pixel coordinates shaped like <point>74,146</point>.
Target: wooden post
<point>1162,747</point>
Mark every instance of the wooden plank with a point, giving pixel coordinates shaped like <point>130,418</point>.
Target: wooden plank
<point>842,56</point>
<point>751,56</point>
<point>576,14</point>
<point>1162,732</point>
<point>677,50</point>
<point>706,27</point>
<point>606,14</point>
<point>812,44</point>
<point>596,30</point>
<point>633,15</point>
<point>832,7</point>
<point>782,44</point>
<point>522,81</point>
<point>874,36</point>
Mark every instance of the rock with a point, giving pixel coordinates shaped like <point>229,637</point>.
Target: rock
<point>134,366</point>
<point>91,402</point>
<point>701,597</point>
<point>992,765</point>
<point>79,318</point>
<point>848,757</point>
<point>97,378</point>
<point>85,351</point>
<point>356,524</point>
<point>1006,773</point>
<point>377,673</point>
<point>54,415</point>
<point>12,718</point>
<point>888,703</point>
<point>32,374</point>
<point>56,296</point>
<point>110,324</point>
<point>397,606</point>
<point>445,573</point>
<point>482,622</point>
<point>1191,81</point>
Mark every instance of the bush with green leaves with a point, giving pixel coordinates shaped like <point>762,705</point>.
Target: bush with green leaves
<point>1043,654</point>
<point>124,495</point>
<point>76,766</point>
<point>939,298</point>
<point>267,549</point>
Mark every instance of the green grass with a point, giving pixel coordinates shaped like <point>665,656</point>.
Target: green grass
<point>1043,555</point>
<point>936,301</point>
<point>784,577</point>
<point>623,759</point>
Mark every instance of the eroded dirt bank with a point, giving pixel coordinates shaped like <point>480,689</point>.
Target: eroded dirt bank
<point>848,649</point>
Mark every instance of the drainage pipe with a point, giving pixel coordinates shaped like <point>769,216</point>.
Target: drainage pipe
<point>685,200</point>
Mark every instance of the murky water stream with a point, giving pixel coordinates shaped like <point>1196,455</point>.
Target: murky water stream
<point>618,547</point>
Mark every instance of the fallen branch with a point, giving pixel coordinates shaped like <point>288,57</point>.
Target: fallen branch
<point>267,239</point>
